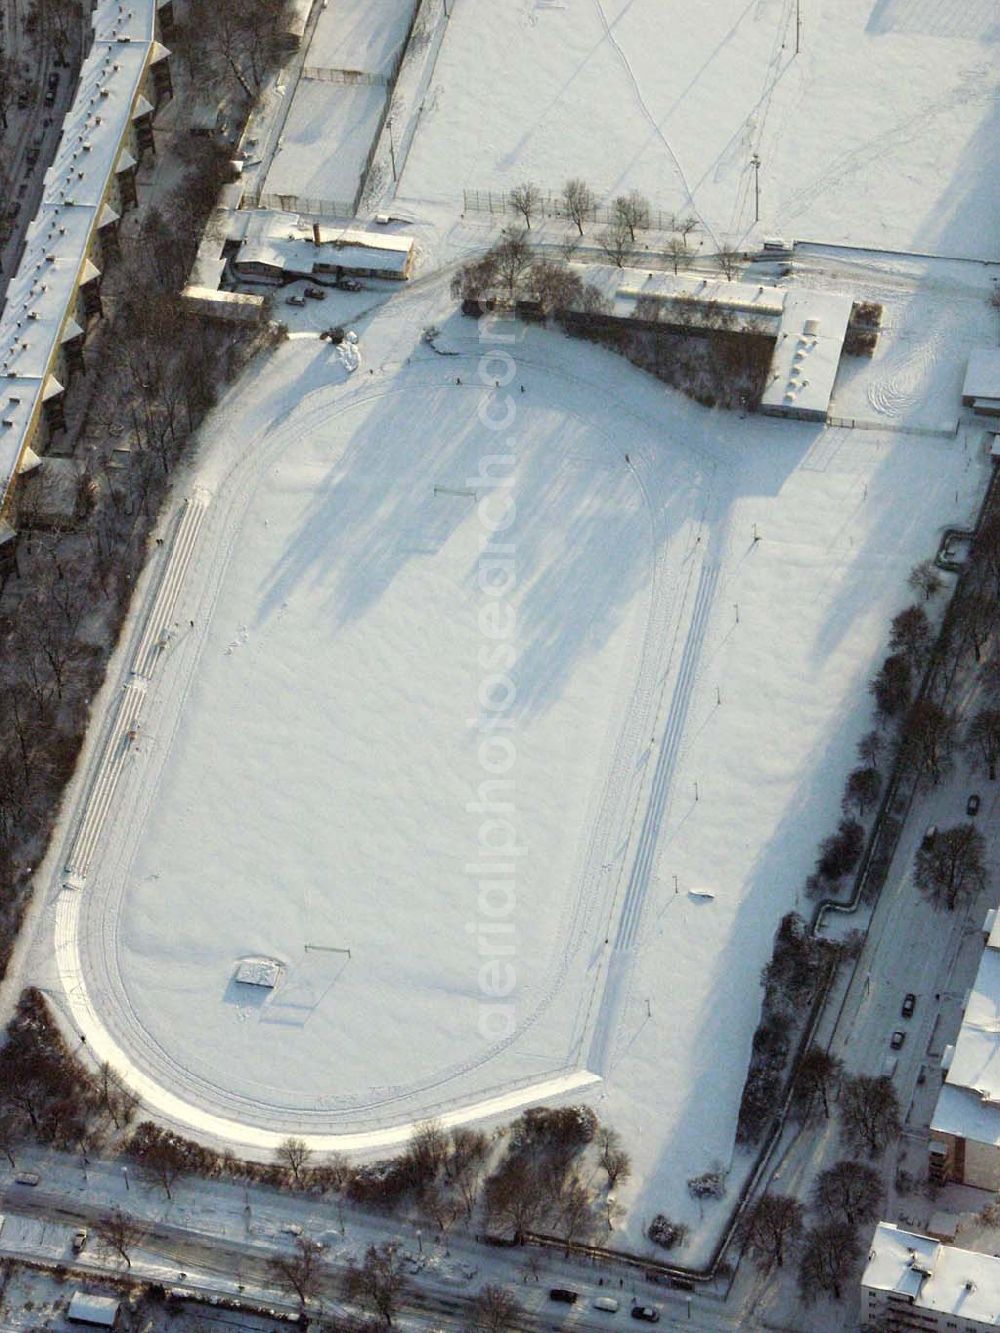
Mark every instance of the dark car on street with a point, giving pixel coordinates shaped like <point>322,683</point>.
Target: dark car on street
<point>909,1004</point>
<point>972,808</point>
<point>646,1313</point>
<point>897,1039</point>
<point>564,1295</point>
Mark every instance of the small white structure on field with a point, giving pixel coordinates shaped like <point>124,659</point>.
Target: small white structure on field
<point>912,1281</point>
<point>98,1311</point>
<point>807,354</point>
<point>264,972</point>
<point>981,390</point>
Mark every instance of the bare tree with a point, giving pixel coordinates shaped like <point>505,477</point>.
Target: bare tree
<point>632,210</point>
<point>120,1233</point>
<point>614,241</point>
<point>612,1156</point>
<point>869,748</point>
<point>976,619</point>
<point>982,740</point>
<point>952,869</point>
<point>162,1161</point>
<point>300,1271</point>
<point>10,1133</point>
<point>58,20</point>
<point>677,250</point>
<point>12,84</point>
<point>514,1197</point>
<point>526,199</point>
<point>554,286</point>
<point>495,1310</point>
<point>579,202</point>
<point>925,579</point>
<point>769,1229</point>
<point>513,259</point>
<point>686,225</point>
<point>829,1253</point>
<point>728,260</point>
<point>469,1151</point>
<point>378,1283</point>
<point>849,1191</point>
<point>862,790</point>
<point>575,1219</point>
<point>911,635</point>
<point>428,1149</point>
<point>869,1113</point>
<point>816,1080</point>
<point>293,1154</point>
<point>929,740</point>
<point>892,688</point>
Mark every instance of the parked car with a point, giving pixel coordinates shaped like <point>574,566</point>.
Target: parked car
<point>79,1239</point>
<point>564,1295</point>
<point>897,1039</point>
<point>27,1178</point>
<point>972,807</point>
<point>909,1004</point>
<point>51,88</point>
<point>23,99</point>
<point>646,1313</point>
<point>315,293</point>
<point>349,285</point>
<point>295,299</point>
<point>606,1303</point>
<point>930,833</point>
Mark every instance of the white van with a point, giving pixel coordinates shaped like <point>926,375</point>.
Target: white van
<point>606,1303</point>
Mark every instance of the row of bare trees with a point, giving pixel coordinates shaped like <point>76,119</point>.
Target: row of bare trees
<point>231,46</point>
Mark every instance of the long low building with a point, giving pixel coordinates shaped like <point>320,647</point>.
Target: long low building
<point>914,1282</point>
<point>965,1128</point>
<point>55,291</point>
<point>273,247</point>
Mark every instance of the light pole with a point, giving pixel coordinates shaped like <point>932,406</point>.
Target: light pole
<point>755,163</point>
<point>392,149</point>
<point>125,1177</point>
<point>798,24</point>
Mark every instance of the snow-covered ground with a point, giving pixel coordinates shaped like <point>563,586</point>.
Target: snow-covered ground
<point>309,757</point>
<point>882,131</point>
<point>326,138</point>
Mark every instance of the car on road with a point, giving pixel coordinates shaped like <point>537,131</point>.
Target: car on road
<point>646,1313</point>
<point>909,1004</point>
<point>607,1304</point>
<point>79,1239</point>
<point>315,293</point>
<point>897,1039</point>
<point>349,285</point>
<point>27,1178</point>
<point>972,805</point>
<point>295,299</point>
<point>51,88</point>
<point>930,833</point>
<point>564,1295</point>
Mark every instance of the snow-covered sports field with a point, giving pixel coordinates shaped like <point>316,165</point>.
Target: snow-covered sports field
<point>495,689</point>
<point>881,131</point>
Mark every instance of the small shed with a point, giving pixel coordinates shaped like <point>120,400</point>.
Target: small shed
<point>97,1311</point>
<point>981,390</point>
<point>264,972</point>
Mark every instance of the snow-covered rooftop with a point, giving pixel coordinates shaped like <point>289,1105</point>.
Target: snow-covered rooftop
<point>41,292</point>
<point>361,35</point>
<point>982,377</point>
<point>934,1276</point>
<point>287,242</point>
<point>969,1101</point>
<point>807,354</point>
<point>85,1308</point>
<point>687,292</point>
